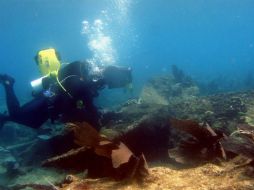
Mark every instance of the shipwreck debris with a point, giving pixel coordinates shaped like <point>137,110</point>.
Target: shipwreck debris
<point>241,142</point>
<point>202,144</point>
<point>100,156</point>
<point>150,137</point>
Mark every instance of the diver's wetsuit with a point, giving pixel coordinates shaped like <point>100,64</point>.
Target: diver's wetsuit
<point>33,114</point>
<point>80,90</point>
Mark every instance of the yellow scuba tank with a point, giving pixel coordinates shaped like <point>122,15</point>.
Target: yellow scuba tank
<point>48,61</point>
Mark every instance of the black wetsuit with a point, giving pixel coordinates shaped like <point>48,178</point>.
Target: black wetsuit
<point>74,104</point>
<point>32,114</point>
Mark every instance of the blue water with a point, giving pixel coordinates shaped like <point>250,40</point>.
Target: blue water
<point>206,39</point>
<point>210,40</point>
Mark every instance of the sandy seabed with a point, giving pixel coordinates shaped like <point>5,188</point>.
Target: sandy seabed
<point>206,177</point>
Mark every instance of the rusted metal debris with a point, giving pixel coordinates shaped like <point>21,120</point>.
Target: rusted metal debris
<point>112,158</point>
<point>203,143</point>
<point>241,142</point>
<point>100,156</point>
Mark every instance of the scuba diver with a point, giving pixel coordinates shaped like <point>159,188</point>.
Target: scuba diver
<point>65,92</point>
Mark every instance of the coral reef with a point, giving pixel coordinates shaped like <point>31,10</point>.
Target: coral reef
<point>207,129</point>
<point>222,111</point>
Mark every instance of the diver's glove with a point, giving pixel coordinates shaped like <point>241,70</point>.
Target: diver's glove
<point>117,77</point>
<point>6,80</point>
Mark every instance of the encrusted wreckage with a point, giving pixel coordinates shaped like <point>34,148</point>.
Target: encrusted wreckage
<point>202,145</point>
<point>100,156</point>
<point>144,129</point>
